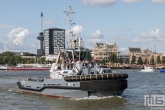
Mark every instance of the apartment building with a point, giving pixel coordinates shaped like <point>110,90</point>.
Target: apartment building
<point>52,38</point>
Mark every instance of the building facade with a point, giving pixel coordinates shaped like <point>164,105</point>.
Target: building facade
<point>146,55</point>
<point>52,38</point>
<point>103,50</point>
<point>134,51</point>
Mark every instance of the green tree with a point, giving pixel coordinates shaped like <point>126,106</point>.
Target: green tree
<point>152,60</point>
<point>113,58</point>
<point>41,60</point>
<point>26,53</point>
<point>101,61</point>
<point>7,53</point>
<point>159,60</point>
<point>1,57</point>
<point>5,60</point>
<point>31,60</point>
<point>133,59</point>
<point>120,60</point>
<point>163,60</point>
<point>146,61</point>
<point>140,61</point>
<point>127,61</point>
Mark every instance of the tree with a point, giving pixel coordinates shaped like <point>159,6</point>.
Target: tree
<point>113,58</point>
<point>26,53</point>
<point>41,60</point>
<point>31,60</point>
<point>127,61</point>
<point>101,61</point>
<point>159,60</point>
<point>152,60</point>
<point>7,53</point>
<point>146,61</point>
<point>120,60</point>
<point>163,59</point>
<point>140,61</point>
<point>133,59</point>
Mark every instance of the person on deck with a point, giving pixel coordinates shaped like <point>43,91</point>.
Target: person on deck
<point>86,62</point>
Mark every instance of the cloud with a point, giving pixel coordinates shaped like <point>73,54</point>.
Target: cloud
<point>17,35</point>
<point>131,1</point>
<point>15,41</point>
<point>158,1</point>
<point>94,37</point>
<point>6,26</point>
<point>101,3</point>
<point>77,30</point>
<point>97,35</point>
<point>153,35</point>
<point>90,43</point>
<point>20,40</point>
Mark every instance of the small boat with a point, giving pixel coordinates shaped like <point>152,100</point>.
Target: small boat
<point>34,67</point>
<point>147,69</point>
<point>162,71</point>
<point>3,67</point>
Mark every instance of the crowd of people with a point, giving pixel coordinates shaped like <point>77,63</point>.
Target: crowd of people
<point>68,63</point>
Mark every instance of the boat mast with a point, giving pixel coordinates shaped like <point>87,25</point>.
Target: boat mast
<point>69,13</point>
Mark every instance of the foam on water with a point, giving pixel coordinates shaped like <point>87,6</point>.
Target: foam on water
<point>95,98</point>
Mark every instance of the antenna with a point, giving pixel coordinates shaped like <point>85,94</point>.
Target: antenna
<point>41,22</point>
<point>69,13</point>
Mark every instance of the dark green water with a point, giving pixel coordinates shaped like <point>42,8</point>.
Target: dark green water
<point>139,84</point>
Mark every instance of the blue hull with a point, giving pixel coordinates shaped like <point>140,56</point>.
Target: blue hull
<point>162,71</point>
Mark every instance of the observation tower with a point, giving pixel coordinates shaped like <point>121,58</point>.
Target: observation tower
<point>41,38</point>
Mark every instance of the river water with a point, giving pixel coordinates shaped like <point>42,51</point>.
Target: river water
<point>139,84</point>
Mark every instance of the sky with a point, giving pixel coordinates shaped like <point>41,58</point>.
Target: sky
<point>128,23</point>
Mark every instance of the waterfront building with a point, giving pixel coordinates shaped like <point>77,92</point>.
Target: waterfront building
<point>156,56</point>
<point>52,38</point>
<point>134,51</point>
<point>103,50</point>
<point>147,56</point>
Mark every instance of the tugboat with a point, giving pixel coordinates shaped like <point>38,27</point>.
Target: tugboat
<point>76,75</point>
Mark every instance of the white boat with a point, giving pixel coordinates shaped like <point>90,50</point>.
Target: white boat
<point>147,69</point>
<point>3,67</point>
